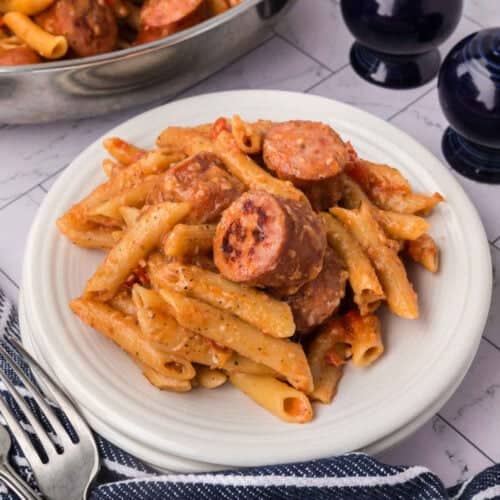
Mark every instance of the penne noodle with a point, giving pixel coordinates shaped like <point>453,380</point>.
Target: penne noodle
<point>401,297</point>
<point>251,174</point>
<point>123,302</point>
<point>163,382</point>
<point>396,225</point>
<point>156,324</point>
<point>280,399</point>
<point>122,151</point>
<point>125,332</point>
<point>331,339</point>
<point>366,338</point>
<point>85,234</point>
<point>240,364</point>
<point>187,239</point>
<point>210,379</point>
<point>368,292</point>
<point>28,7</point>
<point>269,315</point>
<point>136,244</point>
<point>425,251</point>
<point>217,7</point>
<point>47,45</point>
<point>249,141</point>
<point>132,197</point>
<point>282,355</point>
<point>129,215</point>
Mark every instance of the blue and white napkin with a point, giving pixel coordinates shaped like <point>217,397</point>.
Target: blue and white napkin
<point>353,476</point>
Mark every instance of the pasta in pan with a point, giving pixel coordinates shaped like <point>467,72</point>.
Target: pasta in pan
<point>225,265</point>
<point>33,31</point>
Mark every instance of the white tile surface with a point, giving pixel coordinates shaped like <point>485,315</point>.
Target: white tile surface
<point>15,221</point>
<point>437,446</point>
<point>475,407</point>
<point>274,65</point>
<point>492,331</point>
<point>311,43</point>
<point>316,27</point>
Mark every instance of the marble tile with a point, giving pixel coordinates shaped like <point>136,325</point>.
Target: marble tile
<point>329,42</point>
<point>484,12</point>
<point>31,153</point>
<point>15,221</point>
<point>440,448</point>
<point>9,288</point>
<point>425,121</point>
<point>274,65</point>
<point>474,408</point>
<point>492,330</point>
<point>347,87</point>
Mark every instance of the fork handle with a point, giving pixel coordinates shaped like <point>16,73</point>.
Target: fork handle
<point>16,484</point>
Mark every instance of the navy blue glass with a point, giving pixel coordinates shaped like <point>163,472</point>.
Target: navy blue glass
<point>469,92</point>
<point>396,40</point>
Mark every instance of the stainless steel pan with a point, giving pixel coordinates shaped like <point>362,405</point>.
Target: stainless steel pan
<point>98,85</point>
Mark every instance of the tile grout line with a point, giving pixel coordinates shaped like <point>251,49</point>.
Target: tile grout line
<point>491,342</point>
<point>9,278</point>
<point>43,188</point>
<point>19,196</point>
<point>477,23</point>
<point>326,78</point>
<point>463,436</point>
<point>410,104</point>
<point>303,52</point>
<point>228,65</point>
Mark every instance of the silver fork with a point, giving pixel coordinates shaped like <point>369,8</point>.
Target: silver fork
<point>67,472</point>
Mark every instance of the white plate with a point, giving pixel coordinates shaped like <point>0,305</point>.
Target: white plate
<point>422,360</point>
<point>169,463</point>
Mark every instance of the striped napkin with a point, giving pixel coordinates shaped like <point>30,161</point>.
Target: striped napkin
<point>353,476</point>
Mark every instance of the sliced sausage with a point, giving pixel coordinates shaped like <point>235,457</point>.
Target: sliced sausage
<point>90,26</point>
<point>18,56</point>
<point>324,194</point>
<point>318,299</point>
<point>304,151</point>
<point>269,241</point>
<point>160,18</point>
<point>202,181</point>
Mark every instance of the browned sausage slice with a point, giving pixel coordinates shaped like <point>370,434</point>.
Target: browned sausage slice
<point>160,13</point>
<point>269,241</point>
<point>89,25</point>
<point>304,151</point>
<point>318,299</point>
<point>202,181</point>
<point>18,56</point>
<point>324,194</point>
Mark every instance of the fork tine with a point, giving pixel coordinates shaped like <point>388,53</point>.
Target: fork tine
<point>37,396</point>
<point>66,405</point>
<point>20,434</point>
<point>40,432</point>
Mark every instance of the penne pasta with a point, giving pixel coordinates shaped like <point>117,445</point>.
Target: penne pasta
<point>251,174</point>
<point>240,364</point>
<point>122,151</point>
<point>396,225</point>
<point>210,379</point>
<point>282,355</point>
<point>248,139</point>
<point>47,45</point>
<point>123,302</point>
<point>85,234</point>
<point>28,7</point>
<point>275,396</point>
<point>163,382</point>
<point>125,332</point>
<point>269,315</point>
<point>368,292</point>
<point>189,239</point>
<point>401,297</point>
<point>217,7</point>
<point>425,251</point>
<point>331,339</point>
<point>129,215</point>
<point>135,245</point>
<point>366,338</point>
